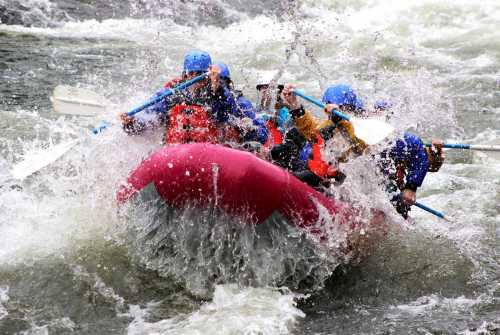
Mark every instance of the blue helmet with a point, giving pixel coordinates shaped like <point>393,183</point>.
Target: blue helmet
<point>224,70</point>
<point>197,61</point>
<point>342,95</point>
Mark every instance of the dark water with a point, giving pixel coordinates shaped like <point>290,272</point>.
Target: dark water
<point>70,264</point>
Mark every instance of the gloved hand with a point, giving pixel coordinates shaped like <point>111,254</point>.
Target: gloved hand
<point>126,120</point>
<point>409,197</point>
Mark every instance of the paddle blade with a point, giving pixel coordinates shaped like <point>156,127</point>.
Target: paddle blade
<point>77,101</point>
<point>494,149</point>
<point>37,160</point>
<point>371,131</point>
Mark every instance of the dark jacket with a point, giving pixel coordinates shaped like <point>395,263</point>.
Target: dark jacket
<point>259,133</point>
<point>408,154</point>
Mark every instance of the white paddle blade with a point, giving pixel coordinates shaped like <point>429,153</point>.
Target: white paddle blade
<point>37,160</point>
<point>492,148</point>
<point>371,131</point>
<point>77,101</point>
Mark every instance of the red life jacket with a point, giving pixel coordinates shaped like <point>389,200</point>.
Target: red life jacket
<point>276,137</point>
<point>190,123</point>
<point>317,164</point>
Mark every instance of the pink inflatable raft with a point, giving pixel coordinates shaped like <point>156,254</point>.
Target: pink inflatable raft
<point>243,185</point>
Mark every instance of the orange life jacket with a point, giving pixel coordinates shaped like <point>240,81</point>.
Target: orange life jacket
<point>276,137</point>
<point>190,123</point>
<point>317,164</point>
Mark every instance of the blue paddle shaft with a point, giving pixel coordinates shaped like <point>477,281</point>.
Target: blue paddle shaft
<point>167,93</point>
<point>452,145</point>
<point>319,104</point>
<point>155,100</point>
<point>430,210</point>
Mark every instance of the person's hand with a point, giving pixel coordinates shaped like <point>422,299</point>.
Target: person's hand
<point>409,197</point>
<point>290,99</point>
<point>438,145</point>
<point>214,76</point>
<point>329,108</point>
<point>126,120</point>
<point>435,155</point>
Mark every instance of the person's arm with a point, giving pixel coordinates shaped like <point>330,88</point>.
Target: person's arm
<point>256,129</point>
<point>260,132</point>
<point>435,155</point>
<point>358,145</point>
<point>150,117</point>
<point>223,105</point>
<point>303,120</point>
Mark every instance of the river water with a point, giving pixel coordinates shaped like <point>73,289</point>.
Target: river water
<point>72,262</point>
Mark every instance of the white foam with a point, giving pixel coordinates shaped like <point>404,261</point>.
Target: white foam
<point>3,299</point>
<point>428,304</point>
<point>137,30</point>
<point>233,310</point>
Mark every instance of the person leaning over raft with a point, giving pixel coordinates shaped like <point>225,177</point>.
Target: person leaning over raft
<point>312,132</point>
<point>214,102</point>
<point>406,164</point>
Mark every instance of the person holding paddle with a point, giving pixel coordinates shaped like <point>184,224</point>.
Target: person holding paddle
<point>200,113</point>
<point>405,162</point>
<point>306,140</point>
<point>434,151</point>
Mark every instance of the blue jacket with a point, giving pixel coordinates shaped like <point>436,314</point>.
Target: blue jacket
<point>221,106</point>
<point>408,152</point>
<point>260,132</point>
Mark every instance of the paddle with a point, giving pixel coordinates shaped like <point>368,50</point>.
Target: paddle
<point>433,211</point>
<point>77,101</point>
<point>478,147</point>
<point>38,160</point>
<point>168,92</point>
<point>371,131</point>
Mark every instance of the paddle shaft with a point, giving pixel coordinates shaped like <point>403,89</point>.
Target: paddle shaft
<point>319,104</point>
<point>480,147</point>
<point>155,100</point>
<point>167,93</point>
<point>433,211</point>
